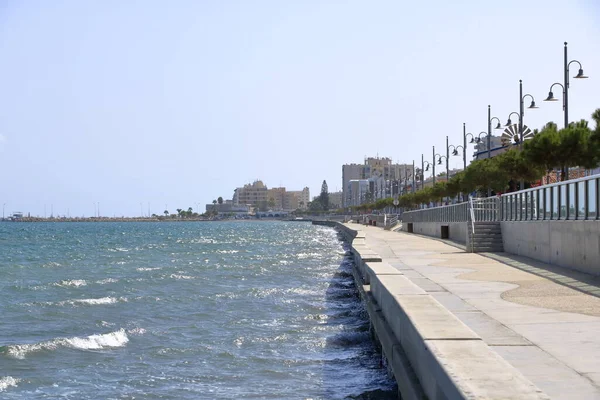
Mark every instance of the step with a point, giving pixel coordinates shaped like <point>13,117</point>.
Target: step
<point>487,240</point>
<point>494,249</point>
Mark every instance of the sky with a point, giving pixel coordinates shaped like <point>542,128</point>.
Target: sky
<point>128,106</point>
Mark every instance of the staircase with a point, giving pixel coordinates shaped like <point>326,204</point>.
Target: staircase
<point>485,237</point>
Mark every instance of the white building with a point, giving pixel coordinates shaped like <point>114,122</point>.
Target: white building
<point>357,192</point>
<point>335,200</point>
<point>386,177</point>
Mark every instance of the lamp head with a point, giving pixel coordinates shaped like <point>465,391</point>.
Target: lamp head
<point>472,140</point>
<point>533,104</point>
<point>440,161</point>
<point>478,140</point>
<point>455,152</point>
<point>427,167</point>
<point>580,75</point>
<point>499,126</point>
<point>508,123</point>
<point>551,97</point>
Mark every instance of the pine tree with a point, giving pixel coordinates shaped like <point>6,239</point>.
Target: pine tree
<point>324,196</point>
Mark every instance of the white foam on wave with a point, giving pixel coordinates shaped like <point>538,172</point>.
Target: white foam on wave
<point>72,282</point>
<point>147,269</point>
<point>308,255</point>
<point>102,300</point>
<point>136,331</point>
<point>7,381</point>
<point>96,342</point>
<point>93,342</point>
<point>107,280</point>
<point>51,264</point>
<point>180,276</point>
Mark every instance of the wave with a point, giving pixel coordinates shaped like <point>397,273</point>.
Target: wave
<point>308,255</point>
<point>72,282</point>
<point>7,381</point>
<point>147,269</point>
<point>179,276</point>
<point>107,280</point>
<point>51,264</point>
<point>93,342</point>
<point>346,339</point>
<point>102,300</point>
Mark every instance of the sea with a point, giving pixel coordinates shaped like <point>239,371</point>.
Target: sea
<point>183,310</point>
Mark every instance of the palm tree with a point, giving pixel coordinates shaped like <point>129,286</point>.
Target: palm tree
<point>220,200</point>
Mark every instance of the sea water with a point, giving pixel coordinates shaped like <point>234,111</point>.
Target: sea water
<point>182,310</point>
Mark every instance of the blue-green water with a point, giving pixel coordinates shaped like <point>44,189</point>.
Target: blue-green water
<point>181,311</point>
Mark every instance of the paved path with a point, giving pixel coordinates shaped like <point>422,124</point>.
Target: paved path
<point>543,320</point>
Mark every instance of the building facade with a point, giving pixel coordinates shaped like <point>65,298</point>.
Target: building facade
<point>254,194</point>
<point>496,147</point>
<point>335,200</point>
<point>276,198</point>
<point>385,179</point>
<point>257,195</point>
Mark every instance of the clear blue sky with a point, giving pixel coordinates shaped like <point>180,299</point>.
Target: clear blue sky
<point>176,103</point>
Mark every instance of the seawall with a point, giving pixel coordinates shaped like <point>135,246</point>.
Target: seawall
<point>430,352</point>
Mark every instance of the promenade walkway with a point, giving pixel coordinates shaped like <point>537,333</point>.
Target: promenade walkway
<point>543,320</point>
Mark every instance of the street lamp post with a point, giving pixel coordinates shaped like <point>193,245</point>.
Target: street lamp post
<point>413,177</point>
<point>489,138</point>
<point>3,205</point>
<point>465,146</point>
<point>522,110</point>
<point>423,162</point>
<point>433,165</point>
<point>565,87</point>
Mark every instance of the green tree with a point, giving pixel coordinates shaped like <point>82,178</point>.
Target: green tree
<point>324,196</point>
<point>220,200</point>
<point>315,206</point>
<point>542,149</point>
<point>166,212</point>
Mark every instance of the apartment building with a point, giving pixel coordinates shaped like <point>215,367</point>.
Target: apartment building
<point>258,195</point>
<point>383,175</point>
<point>335,200</point>
<point>254,194</point>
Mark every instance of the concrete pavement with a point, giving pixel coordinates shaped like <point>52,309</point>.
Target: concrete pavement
<point>542,320</point>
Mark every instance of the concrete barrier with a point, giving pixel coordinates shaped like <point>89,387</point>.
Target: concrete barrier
<point>457,231</point>
<point>431,352</point>
<point>570,244</point>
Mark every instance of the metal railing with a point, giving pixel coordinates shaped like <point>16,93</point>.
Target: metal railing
<point>486,209</point>
<point>451,213</point>
<point>576,199</point>
<point>391,221</point>
<point>472,214</point>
